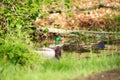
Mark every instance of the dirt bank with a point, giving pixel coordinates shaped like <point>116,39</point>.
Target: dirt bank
<point>106,75</point>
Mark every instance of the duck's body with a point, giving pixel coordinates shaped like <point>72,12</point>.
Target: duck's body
<point>46,52</point>
<point>50,52</point>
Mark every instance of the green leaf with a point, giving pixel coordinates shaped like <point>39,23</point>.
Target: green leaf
<point>2,41</point>
<point>11,55</point>
<point>18,26</point>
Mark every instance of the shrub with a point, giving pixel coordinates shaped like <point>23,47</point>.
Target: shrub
<point>16,16</point>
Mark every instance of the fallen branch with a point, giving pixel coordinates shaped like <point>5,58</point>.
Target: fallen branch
<point>62,31</point>
<point>86,9</point>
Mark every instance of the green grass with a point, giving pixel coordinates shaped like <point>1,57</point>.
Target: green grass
<point>66,68</point>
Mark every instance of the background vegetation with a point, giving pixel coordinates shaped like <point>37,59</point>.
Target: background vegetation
<point>18,61</point>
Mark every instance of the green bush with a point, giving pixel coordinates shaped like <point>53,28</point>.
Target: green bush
<point>15,34</point>
<point>15,51</point>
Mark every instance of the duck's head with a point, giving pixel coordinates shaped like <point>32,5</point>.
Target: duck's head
<point>57,52</point>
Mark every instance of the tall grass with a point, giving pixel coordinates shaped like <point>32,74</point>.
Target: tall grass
<point>66,68</point>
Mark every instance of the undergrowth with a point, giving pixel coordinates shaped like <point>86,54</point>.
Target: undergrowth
<point>18,61</point>
<point>66,68</point>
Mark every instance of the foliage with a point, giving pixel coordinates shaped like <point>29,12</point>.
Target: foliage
<point>117,18</point>
<point>15,34</point>
<point>15,45</point>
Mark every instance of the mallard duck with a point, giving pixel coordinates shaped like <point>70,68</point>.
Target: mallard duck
<point>51,52</point>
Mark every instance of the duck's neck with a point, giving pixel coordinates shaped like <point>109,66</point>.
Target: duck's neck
<point>57,39</point>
